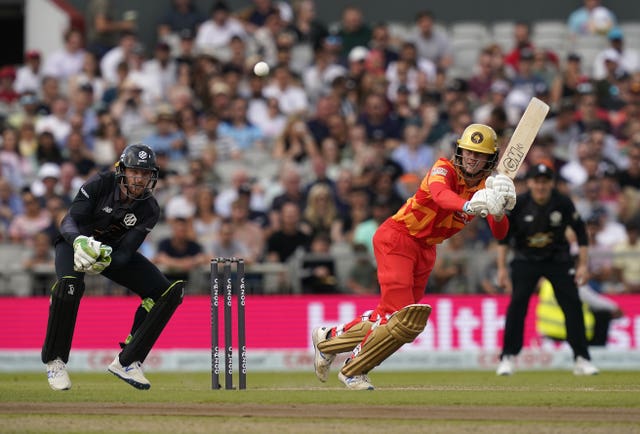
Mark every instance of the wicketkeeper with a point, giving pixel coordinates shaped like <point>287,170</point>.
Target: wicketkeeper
<point>107,222</point>
<point>450,195</point>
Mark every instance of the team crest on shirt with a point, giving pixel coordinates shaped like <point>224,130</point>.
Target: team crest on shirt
<point>555,218</point>
<point>439,171</point>
<point>129,219</point>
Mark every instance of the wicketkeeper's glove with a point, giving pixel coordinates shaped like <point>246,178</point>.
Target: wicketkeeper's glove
<point>86,251</point>
<point>103,261</point>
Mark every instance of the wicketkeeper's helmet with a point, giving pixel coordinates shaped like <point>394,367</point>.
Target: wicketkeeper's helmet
<point>137,156</point>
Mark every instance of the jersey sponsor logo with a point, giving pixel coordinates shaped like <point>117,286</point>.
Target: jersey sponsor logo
<point>107,209</point>
<point>84,192</point>
<point>439,171</point>
<point>129,219</point>
<point>540,240</point>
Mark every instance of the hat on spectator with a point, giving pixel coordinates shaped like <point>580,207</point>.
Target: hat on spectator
<point>611,54</point>
<point>179,207</point>
<point>526,54</point>
<point>615,34</point>
<point>32,54</point>
<point>220,87</point>
<point>8,72</point>
<point>219,6</point>
<point>540,170</point>
<point>49,170</point>
<point>358,54</point>
<point>186,33</point>
<point>500,86</point>
<point>574,57</point>
<point>28,99</point>
<point>165,112</point>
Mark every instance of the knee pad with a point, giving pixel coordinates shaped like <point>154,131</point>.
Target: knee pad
<point>149,331</point>
<point>402,327</point>
<point>63,311</point>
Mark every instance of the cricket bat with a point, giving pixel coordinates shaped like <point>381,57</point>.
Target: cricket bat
<point>522,139</point>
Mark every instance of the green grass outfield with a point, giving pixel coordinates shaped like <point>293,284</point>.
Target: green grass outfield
<point>434,402</point>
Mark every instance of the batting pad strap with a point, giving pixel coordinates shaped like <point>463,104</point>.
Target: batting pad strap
<point>63,310</point>
<point>149,331</point>
<point>403,326</point>
<point>346,341</point>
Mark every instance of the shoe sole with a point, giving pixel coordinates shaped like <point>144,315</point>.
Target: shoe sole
<point>57,388</point>
<point>134,383</point>
<point>314,339</point>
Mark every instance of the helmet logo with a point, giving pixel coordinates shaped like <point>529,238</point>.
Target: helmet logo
<point>143,155</point>
<point>477,137</point>
<point>129,219</point>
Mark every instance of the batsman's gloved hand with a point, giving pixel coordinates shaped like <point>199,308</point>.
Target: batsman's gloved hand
<point>103,261</point>
<point>86,251</point>
<point>485,202</point>
<point>503,185</point>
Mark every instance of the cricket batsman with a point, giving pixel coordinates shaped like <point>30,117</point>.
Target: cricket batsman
<point>450,195</point>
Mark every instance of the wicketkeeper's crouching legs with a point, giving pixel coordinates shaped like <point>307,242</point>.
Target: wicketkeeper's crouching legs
<point>127,364</point>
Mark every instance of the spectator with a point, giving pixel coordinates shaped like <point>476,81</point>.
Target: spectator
<point>432,43</point>
<point>35,219</point>
<point>8,95</point>
<point>57,122</point>
<point>89,75</point>
<point>413,154</point>
<point>39,263</point>
<point>181,16</point>
<point>283,243</point>
<point>12,164</point>
<point>47,150</point>
<point>214,34</point>
<point>625,261</point>
<point>381,44</point>
<point>354,31</point>
<point>306,27</point>
<point>247,231</point>
<point>630,176</point>
<point>178,255</point>
<point>103,28</point>
<point>363,232</point>
<point>591,19</point>
<point>121,53</point>
<point>291,97</point>
<point>227,245</point>
<point>29,75</point>
<point>10,204</point>
<point>244,136</point>
<point>320,213</point>
<point>68,61</point>
<point>628,59</point>
<point>296,143</point>
<point>318,268</point>
<point>362,278</point>
<point>166,137</point>
<point>206,223</point>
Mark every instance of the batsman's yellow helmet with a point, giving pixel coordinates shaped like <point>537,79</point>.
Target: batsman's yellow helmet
<point>479,138</point>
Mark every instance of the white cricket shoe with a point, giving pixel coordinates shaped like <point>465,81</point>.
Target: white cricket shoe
<point>357,382</point>
<point>132,374</point>
<point>506,366</point>
<point>57,375</point>
<point>322,361</point>
<point>584,367</point>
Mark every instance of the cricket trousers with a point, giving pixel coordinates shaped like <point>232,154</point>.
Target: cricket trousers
<point>524,277</point>
<point>404,265</point>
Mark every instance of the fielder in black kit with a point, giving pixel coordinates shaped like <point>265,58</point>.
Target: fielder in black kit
<point>107,222</point>
<point>537,234</point>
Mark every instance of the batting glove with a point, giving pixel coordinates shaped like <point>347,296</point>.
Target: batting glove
<point>86,251</point>
<point>485,202</point>
<point>503,185</point>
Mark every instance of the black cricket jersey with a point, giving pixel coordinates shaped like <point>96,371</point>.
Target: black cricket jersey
<point>98,211</point>
<point>537,232</point>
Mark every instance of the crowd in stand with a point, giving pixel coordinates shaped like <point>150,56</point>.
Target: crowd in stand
<point>314,155</point>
